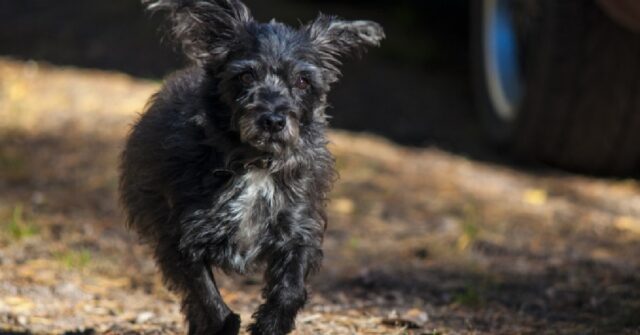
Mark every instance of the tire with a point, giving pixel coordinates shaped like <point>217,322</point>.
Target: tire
<point>579,107</point>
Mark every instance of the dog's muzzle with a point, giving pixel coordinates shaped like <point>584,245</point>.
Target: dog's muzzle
<point>272,122</point>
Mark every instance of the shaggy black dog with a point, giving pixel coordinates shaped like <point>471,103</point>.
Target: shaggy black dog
<point>228,167</point>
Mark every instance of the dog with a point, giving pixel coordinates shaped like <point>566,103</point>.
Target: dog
<point>228,167</point>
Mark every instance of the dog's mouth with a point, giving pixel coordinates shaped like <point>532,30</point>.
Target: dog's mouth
<point>273,142</point>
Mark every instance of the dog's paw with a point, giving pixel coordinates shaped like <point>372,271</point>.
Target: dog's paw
<point>269,326</point>
<point>231,325</point>
<point>255,329</point>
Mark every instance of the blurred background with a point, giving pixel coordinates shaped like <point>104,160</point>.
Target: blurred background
<point>488,153</point>
<point>414,90</point>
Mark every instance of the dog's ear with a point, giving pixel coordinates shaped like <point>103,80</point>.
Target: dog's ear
<point>334,38</point>
<point>205,28</point>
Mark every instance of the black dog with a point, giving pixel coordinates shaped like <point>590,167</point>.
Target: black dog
<point>228,167</point>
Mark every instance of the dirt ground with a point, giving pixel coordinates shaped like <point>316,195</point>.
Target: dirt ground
<point>420,241</point>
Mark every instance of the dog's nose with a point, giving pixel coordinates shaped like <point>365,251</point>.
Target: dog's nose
<point>273,122</point>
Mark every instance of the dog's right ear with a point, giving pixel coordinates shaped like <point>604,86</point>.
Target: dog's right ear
<point>205,28</point>
<point>334,38</point>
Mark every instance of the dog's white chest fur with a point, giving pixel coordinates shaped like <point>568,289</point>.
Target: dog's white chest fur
<point>256,200</point>
<point>254,205</point>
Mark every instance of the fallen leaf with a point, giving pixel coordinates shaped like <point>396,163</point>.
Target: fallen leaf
<point>628,224</point>
<point>343,206</point>
<point>535,196</point>
<point>412,319</point>
<point>144,317</point>
<point>19,304</point>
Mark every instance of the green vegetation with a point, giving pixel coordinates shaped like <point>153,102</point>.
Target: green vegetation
<point>19,228</point>
<point>470,228</point>
<point>74,259</point>
<point>470,297</point>
<point>12,165</point>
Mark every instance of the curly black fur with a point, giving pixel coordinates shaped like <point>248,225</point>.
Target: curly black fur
<point>228,167</point>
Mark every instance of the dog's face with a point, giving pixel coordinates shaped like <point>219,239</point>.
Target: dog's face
<point>274,78</point>
<point>274,85</point>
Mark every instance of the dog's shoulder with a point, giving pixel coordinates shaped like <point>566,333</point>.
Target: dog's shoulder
<point>177,108</point>
<point>182,87</point>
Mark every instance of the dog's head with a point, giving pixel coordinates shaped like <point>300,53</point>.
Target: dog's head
<point>274,78</point>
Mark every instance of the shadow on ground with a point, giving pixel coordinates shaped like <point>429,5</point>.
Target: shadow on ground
<point>501,302</point>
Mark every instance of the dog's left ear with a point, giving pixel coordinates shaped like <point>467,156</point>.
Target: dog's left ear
<point>206,29</point>
<point>335,38</point>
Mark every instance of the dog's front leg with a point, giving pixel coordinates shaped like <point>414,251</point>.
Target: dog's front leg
<point>285,292</point>
<point>205,237</point>
<point>202,303</point>
<point>200,243</point>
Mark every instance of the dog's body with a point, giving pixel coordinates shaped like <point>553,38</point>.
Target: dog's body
<point>229,166</point>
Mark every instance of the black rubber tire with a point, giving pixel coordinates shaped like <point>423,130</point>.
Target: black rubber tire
<point>581,107</point>
<point>500,132</point>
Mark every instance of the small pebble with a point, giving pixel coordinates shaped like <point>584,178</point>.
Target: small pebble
<point>144,317</point>
<point>22,320</point>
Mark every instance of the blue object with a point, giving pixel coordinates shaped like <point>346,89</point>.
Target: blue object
<point>504,43</point>
<point>502,58</point>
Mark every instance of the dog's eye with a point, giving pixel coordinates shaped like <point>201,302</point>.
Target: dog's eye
<point>302,83</point>
<point>247,78</point>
